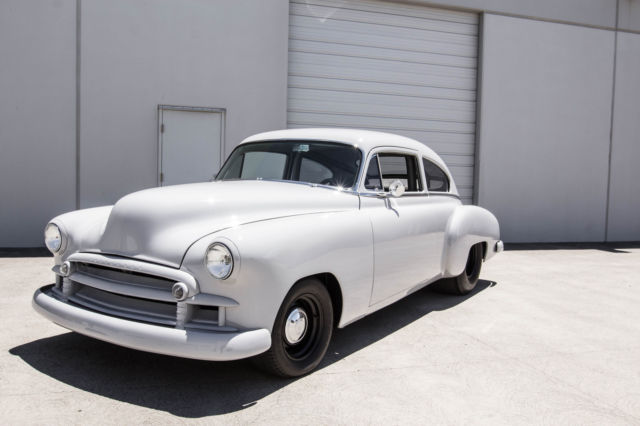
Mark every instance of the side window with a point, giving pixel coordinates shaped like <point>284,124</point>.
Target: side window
<point>437,180</point>
<point>372,180</point>
<point>402,167</point>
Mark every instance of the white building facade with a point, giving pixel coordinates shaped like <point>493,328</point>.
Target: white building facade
<point>535,106</point>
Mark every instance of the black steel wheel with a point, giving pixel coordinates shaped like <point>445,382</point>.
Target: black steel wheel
<point>467,280</point>
<point>301,332</point>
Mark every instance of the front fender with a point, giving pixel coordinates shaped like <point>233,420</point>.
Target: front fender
<point>271,256</point>
<point>467,226</point>
<point>82,229</point>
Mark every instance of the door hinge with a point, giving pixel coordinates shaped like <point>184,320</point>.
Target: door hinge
<point>162,128</point>
<point>161,177</point>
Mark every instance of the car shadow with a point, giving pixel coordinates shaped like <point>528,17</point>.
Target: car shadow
<point>193,389</point>
<point>25,252</point>
<point>611,247</point>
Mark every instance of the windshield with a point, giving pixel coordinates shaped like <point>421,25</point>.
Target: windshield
<point>323,163</point>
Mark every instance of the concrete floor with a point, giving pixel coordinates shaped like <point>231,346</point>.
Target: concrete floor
<point>551,336</point>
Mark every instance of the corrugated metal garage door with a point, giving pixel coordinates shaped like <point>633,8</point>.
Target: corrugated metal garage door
<point>399,68</point>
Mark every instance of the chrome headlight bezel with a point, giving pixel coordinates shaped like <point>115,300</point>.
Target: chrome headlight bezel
<point>54,238</point>
<point>218,259</point>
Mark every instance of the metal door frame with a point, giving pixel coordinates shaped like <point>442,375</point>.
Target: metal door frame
<point>160,131</point>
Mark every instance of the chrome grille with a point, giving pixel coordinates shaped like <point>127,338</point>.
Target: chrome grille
<point>124,276</point>
<point>135,295</point>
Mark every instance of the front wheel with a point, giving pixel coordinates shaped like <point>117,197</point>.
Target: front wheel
<point>301,332</point>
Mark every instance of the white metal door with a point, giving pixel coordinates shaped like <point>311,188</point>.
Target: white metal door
<point>408,240</point>
<point>400,68</point>
<point>191,142</point>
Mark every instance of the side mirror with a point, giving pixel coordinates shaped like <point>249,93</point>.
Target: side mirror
<point>396,188</point>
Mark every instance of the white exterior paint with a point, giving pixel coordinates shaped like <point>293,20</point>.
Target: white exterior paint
<point>408,241</point>
<point>544,136</point>
<point>624,197</point>
<point>363,139</point>
<point>278,232</point>
<point>400,68</point>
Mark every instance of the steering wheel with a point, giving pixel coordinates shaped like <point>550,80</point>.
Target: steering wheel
<point>328,181</point>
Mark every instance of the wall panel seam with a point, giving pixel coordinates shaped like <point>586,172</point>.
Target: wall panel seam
<point>613,98</point>
<point>560,21</point>
<point>78,85</point>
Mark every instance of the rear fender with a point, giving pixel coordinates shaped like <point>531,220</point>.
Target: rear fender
<point>467,226</point>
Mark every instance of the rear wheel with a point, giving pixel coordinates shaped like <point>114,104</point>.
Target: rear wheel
<point>301,332</point>
<point>467,280</point>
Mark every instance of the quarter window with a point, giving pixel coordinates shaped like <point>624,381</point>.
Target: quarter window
<point>437,180</point>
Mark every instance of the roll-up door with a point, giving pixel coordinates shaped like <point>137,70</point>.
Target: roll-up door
<point>399,68</point>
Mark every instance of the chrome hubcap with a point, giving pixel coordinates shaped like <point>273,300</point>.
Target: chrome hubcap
<point>296,326</point>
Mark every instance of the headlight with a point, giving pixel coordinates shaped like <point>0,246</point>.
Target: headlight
<point>219,261</point>
<point>53,237</point>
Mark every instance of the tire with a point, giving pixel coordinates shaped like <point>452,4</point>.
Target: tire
<point>467,280</point>
<point>298,345</point>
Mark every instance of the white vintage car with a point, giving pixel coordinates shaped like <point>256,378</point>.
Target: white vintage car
<point>301,231</point>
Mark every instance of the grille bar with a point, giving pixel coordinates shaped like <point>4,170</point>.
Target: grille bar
<point>126,289</point>
<point>125,307</point>
<point>124,276</point>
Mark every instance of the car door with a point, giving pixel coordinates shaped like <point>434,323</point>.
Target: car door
<point>408,231</point>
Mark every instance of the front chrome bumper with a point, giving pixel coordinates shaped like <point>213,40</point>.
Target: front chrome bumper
<point>205,345</point>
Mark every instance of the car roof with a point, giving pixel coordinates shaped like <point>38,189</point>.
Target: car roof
<point>364,139</point>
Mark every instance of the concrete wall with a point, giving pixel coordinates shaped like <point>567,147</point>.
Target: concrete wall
<point>624,197</point>
<point>37,116</point>
<point>545,128</point>
<point>629,15</point>
<point>544,114</point>
<point>136,55</point>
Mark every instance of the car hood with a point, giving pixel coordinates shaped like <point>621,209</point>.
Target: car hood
<point>160,224</point>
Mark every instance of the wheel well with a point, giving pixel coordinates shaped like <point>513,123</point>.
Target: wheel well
<point>333,287</point>
<point>484,250</point>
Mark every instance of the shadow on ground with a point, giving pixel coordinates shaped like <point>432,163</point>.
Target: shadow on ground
<point>613,247</point>
<point>191,388</point>
<point>25,252</point>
